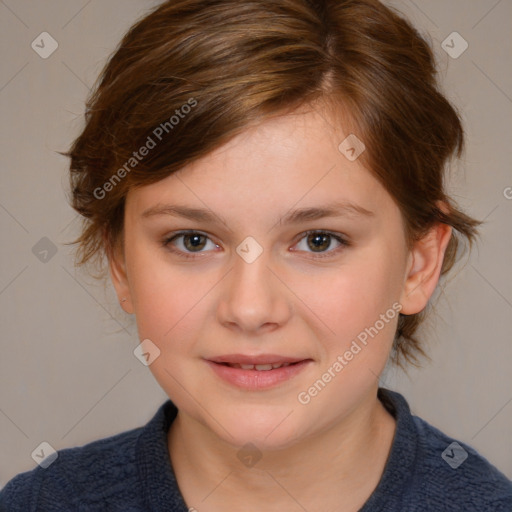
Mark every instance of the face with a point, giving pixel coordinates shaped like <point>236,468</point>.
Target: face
<point>264,276</point>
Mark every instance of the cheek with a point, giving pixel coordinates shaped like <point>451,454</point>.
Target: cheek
<point>170,310</point>
<point>173,304</point>
<point>161,294</point>
<point>359,304</point>
<point>354,296</point>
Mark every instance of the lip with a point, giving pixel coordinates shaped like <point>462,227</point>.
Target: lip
<point>254,380</point>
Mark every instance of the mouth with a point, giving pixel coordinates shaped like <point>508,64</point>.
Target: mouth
<point>257,372</point>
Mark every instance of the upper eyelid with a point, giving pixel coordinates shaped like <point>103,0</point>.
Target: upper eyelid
<point>189,232</point>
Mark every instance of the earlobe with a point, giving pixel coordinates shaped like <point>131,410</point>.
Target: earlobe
<point>426,258</point>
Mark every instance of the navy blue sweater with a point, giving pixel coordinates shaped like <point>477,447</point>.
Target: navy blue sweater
<point>132,472</point>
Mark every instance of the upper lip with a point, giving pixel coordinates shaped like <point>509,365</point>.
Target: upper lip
<point>256,359</point>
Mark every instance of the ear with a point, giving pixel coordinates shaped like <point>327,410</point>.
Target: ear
<point>118,275</point>
<point>424,269</point>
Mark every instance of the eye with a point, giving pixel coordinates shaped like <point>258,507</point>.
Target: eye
<point>319,241</point>
<point>192,242</point>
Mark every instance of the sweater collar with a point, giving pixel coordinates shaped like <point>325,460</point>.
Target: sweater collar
<point>160,488</point>
<point>399,468</point>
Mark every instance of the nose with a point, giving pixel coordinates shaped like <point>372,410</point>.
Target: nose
<point>253,298</point>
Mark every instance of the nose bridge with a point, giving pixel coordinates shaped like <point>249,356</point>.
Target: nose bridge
<point>251,272</point>
<point>253,296</point>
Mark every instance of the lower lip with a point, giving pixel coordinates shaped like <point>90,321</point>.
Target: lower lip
<point>257,379</point>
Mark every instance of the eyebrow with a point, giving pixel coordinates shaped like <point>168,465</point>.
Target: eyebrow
<point>338,209</point>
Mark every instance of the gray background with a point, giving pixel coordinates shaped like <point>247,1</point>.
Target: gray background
<point>68,374</point>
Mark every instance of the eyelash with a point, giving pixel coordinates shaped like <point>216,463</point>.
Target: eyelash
<point>344,243</point>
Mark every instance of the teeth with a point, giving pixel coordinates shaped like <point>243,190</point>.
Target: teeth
<point>263,367</point>
<point>258,367</point>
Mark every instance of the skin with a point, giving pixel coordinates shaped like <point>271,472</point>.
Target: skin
<point>328,454</point>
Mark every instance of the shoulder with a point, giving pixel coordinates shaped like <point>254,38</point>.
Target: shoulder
<point>443,473</point>
<point>459,470</point>
<point>89,473</point>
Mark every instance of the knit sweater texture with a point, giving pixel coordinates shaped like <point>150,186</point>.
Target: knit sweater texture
<point>426,471</point>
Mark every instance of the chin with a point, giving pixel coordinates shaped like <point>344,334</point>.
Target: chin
<point>258,425</point>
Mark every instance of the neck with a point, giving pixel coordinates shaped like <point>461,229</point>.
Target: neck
<point>340,465</point>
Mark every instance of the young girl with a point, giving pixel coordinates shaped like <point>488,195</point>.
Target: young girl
<point>265,179</point>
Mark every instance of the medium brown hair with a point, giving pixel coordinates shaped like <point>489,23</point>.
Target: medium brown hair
<point>202,71</point>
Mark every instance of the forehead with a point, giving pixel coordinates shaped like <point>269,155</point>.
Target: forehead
<point>284,161</point>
